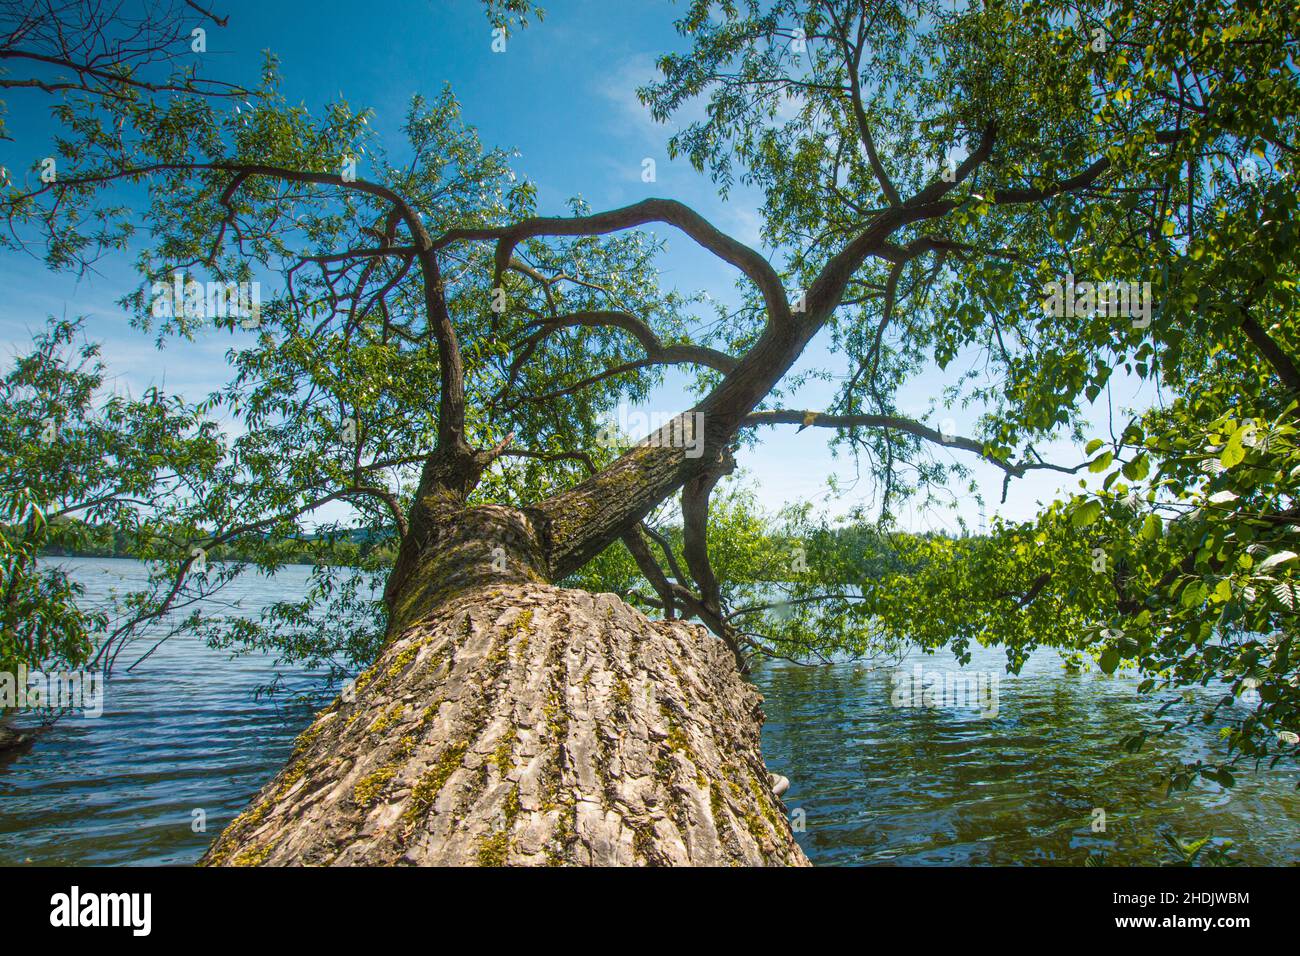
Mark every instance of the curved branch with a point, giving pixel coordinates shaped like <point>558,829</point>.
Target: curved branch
<point>911,426</point>
<point>667,211</point>
<point>656,351</point>
<point>650,569</point>
<point>853,62</point>
<point>451,398</point>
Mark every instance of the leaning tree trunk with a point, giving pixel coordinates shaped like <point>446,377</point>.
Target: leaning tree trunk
<point>509,721</point>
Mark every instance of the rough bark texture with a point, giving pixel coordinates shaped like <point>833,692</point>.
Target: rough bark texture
<point>521,723</point>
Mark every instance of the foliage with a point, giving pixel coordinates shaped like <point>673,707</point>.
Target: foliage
<point>790,582</point>
<point>1202,852</point>
<point>927,171</point>
<point>78,455</point>
<point>1160,139</point>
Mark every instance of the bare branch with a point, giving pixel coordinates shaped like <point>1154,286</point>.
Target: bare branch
<point>667,211</point>
<point>910,426</point>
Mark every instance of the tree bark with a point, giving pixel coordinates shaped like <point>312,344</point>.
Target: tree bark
<point>509,721</point>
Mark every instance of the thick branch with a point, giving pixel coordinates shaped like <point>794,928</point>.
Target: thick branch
<point>695,532</point>
<point>668,211</point>
<point>1280,362</point>
<point>650,570</point>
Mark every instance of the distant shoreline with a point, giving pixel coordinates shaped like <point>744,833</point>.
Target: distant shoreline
<point>75,539</point>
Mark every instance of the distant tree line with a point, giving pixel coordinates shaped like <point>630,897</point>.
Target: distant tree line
<point>347,547</point>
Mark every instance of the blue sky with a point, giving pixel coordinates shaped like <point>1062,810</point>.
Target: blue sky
<point>563,95</point>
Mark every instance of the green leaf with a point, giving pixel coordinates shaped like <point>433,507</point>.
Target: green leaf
<point>1234,452</point>
<point>1138,468</point>
<point>1086,514</point>
<point>1193,594</point>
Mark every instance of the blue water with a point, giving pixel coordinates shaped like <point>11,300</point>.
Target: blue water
<point>870,782</point>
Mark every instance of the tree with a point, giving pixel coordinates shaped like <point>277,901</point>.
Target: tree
<point>71,452</point>
<point>75,455</point>
<point>441,355</point>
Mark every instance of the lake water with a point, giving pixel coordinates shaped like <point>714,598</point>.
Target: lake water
<point>873,783</point>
